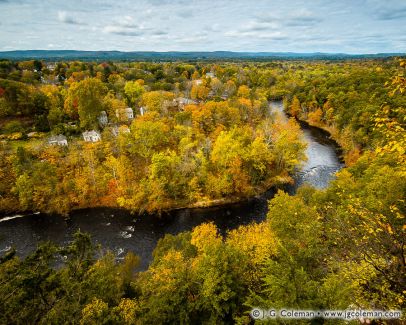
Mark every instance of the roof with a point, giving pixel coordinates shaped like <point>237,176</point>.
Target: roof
<point>57,138</point>
<point>91,133</point>
<point>124,110</point>
<point>185,100</point>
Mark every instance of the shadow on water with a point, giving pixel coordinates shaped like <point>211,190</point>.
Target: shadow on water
<point>121,232</point>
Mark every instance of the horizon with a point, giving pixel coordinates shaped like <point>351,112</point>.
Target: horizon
<point>323,26</point>
<point>213,51</point>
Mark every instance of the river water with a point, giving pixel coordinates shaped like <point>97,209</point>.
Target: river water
<point>121,232</point>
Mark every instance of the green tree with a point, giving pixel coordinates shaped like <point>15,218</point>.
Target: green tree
<point>85,98</point>
<point>133,91</point>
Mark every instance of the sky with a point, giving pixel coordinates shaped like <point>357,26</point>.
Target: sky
<point>344,26</point>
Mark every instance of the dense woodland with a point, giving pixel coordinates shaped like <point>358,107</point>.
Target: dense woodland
<point>342,247</point>
<point>202,134</point>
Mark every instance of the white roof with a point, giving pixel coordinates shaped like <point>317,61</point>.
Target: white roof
<point>59,137</point>
<point>91,133</point>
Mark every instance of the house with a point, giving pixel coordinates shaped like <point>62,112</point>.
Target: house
<point>120,130</point>
<point>125,114</point>
<point>103,120</point>
<point>58,140</point>
<point>91,136</point>
<point>197,82</point>
<point>182,101</point>
<point>210,75</point>
<point>170,103</point>
<point>51,66</point>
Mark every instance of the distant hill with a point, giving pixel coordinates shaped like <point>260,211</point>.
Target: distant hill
<point>57,55</point>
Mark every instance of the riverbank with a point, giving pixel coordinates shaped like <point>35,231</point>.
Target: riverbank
<point>120,231</point>
<point>259,191</point>
<point>349,151</point>
<point>320,135</point>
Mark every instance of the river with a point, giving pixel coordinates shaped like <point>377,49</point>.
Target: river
<point>121,232</point>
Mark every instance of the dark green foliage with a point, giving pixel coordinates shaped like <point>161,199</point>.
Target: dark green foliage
<point>52,285</point>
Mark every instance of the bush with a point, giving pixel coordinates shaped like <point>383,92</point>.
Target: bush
<point>12,127</point>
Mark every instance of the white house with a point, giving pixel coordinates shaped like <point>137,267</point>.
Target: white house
<point>210,75</point>
<point>91,136</point>
<point>115,130</point>
<point>103,120</point>
<point>182,101</point>
<point>51,66</point>
<point>58,140</point>
<point>125,113</point>
<point>169,103</point>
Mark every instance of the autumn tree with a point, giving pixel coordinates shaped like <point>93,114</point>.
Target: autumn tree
<point>295,107</point>
<point>133,91</point>
<point>199,91</point>
<point>85,99</point>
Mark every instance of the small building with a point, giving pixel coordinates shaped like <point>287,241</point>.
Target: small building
<point>125,114</point>
<point>210,75</point>
<point>103,120</point>
<point>197,82</point>
<point>185,101</point>
<point>169,103</point>
<point>58,140</point>
<point>123,129</point>
<point>51,66</point>
<point>91,136</point>
<point>182,101</point>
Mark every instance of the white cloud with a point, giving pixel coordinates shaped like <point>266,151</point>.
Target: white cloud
<point>120,30</point>
<point>244,25</point>
<point>68,18</point>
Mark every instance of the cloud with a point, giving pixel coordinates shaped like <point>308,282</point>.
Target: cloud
<point>196,38</point>
<point>212,28</point>
<point>274,35</point>
<point>391,13</point>
<point>276,27</point>
<point>167,2</point>
<point>125,26</point>
<point>159,32</point>
<point>185,13</point>
<point>127,22</point>
<point>269,25</point>
<point>256,26</point>
<point>120,30</point>
<point>301,18</point>
<point>67,18</point>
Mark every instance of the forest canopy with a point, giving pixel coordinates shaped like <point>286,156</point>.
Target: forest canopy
<point>342,247</point>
